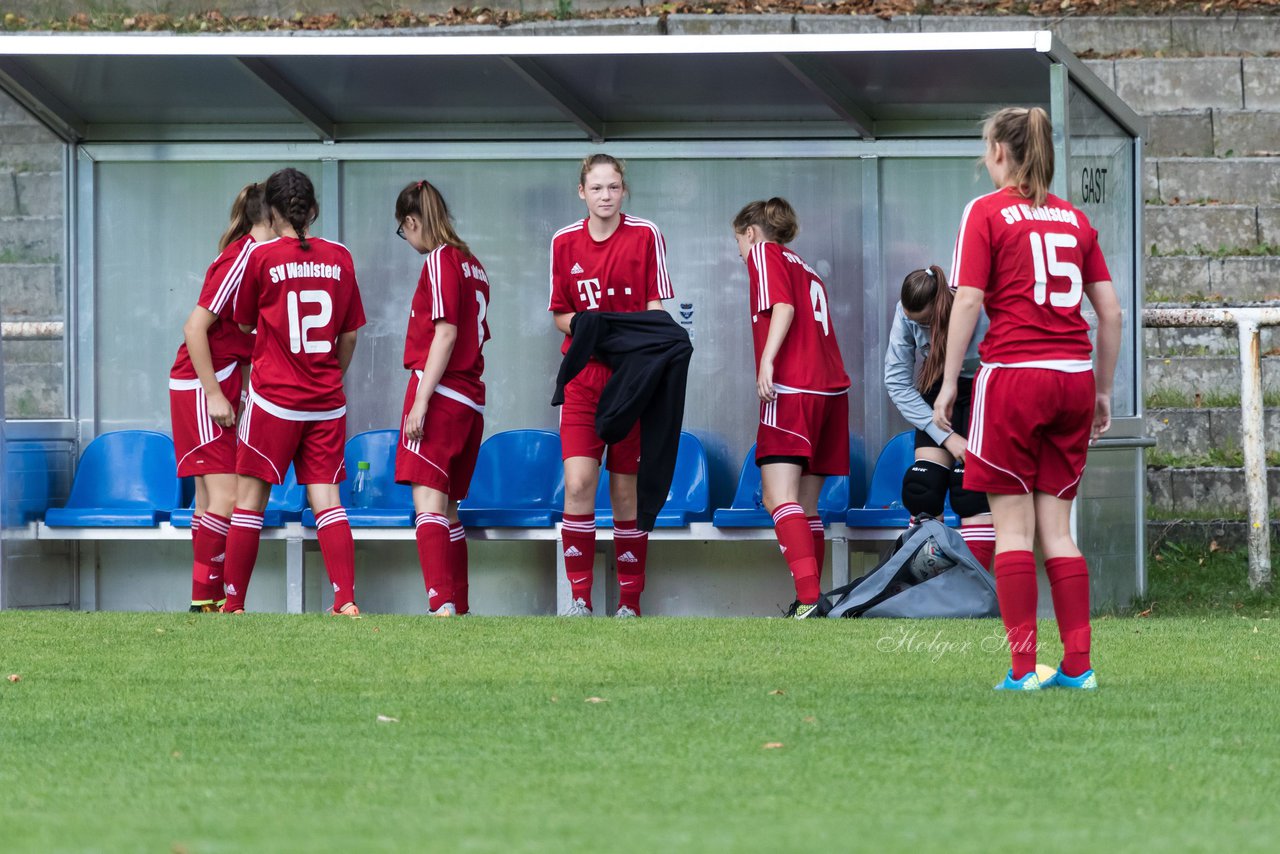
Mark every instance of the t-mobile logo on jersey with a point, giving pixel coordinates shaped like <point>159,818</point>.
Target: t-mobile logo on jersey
<point>589,292</point>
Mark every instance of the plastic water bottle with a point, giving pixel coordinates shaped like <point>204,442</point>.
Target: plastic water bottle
<point>360,486</point>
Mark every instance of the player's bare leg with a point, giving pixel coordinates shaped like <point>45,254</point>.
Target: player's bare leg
<point>1015,571</point>
<point>336,545</point>
<point>432,533</point>
<point>578,530</point>
<point>210,523</point>
<point>780,483</point>
<point>1069,582</point>
<point>630,544</point>
<point>243,539</point>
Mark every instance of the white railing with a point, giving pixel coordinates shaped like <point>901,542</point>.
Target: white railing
<point>31,330</point>
<point>1247,321</point>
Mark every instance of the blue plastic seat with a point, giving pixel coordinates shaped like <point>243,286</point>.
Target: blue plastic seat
<point>883,508</point>
<point>126,479</point>
<point>285,505</point>
<point>518,482</point>
<point>689,499</point>
<point>747,509</point>
<point>389,504</point>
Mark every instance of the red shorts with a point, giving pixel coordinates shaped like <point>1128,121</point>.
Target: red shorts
<point>445,457</point>
<point>578,436</point>
<point>812,426</point>
<point>1029,431</point>
<point>203,447</point>
<point>268,443</point>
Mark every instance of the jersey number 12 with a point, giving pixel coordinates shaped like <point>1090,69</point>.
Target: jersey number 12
<point>1047,245</point>
<point>299,326</point>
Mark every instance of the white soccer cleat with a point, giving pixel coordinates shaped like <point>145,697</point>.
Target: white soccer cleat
<point>577,608</point>
<point>624,612</point>
<point>445,610</point>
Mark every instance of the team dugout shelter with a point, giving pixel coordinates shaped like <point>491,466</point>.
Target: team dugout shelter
<point>874,139</point>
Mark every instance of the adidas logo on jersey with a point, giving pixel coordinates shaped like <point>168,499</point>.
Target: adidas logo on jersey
<point>335,588</point>
<point>628,557</point>
<point>572,551</point>
<point>431,591</point>
<point>784,548</point>
<point>222,558</point>
<point>577,269</point>
<point>231,590</point>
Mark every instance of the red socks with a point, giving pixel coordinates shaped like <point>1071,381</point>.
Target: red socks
<point>339,551</point>
<point>1016,590</point>
<point>243,537</point>
<point>819,541</point>
<point>981,540</point>
<point>791,527</point>
<point>631,551</point>
<point>1069,583</point>
<point>433,556</point>
<point>458,567</point>
<point>209,535</point>
<point>578,541</point>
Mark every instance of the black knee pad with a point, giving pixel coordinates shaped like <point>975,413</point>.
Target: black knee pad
<point>924,488</point>
<point>965,502</point>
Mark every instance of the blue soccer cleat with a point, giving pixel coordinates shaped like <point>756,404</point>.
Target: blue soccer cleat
<point>1030,682</point>
<point>1087,681</point>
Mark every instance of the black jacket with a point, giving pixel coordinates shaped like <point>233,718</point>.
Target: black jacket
<point>649,354</point>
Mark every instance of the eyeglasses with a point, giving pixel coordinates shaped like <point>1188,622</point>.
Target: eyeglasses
<point>400,232</point>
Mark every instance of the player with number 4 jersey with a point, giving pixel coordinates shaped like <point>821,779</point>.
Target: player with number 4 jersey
<point>1029,258</point>
<point>443,418</point>
<point>803,434</point>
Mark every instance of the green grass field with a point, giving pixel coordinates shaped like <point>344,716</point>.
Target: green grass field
<point>174,732</point>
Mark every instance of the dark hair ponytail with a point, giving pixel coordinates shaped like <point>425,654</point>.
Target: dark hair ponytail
<point>292,196</point>
<point>423,200</point>
<point>775,217</point>
<point>1028,135</point>
<point>921,289</point>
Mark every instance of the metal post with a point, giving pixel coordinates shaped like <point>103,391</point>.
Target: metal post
<point>1255,454</point>
<point>295,574</point>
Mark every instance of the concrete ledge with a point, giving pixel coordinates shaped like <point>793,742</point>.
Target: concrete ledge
<point>1154,85</point>
<point>1177,276</point>
<point>1253,180</point>
<point>1245,133</point>
<point>1217,488</point>
<point>1205,374</point>
<point>1262,84</point>
<point>1230,34</point>
<point>31,292</point>
<point>724,25</point>
<point>856,24</point>
<point>1225,533</point>
<point>32,238</point>
<point>1191,432</point>
<point>1182,134</point>
<point>1200,227</point>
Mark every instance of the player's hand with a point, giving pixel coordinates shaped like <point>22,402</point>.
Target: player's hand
<point>221,411</point>
<point>764,383</point>
<point>1101,416</point>
<point>956,446</point>
<point>943,404</point>
<point>414,420</point>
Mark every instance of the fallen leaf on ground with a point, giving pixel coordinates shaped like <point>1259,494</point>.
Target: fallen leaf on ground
<point>383,719</point>
<point>13,677</point>
<point>771,745</point>
<point>810,719</point>
<point>777,692</point>
<point>596,700</point>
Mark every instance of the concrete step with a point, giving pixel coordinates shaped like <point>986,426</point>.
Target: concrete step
<point>31,193</point>
<point>34,379</point>
<point>31,239</point>
<point>31,292</point>
<point>1196,432</point>
<point>1234,180</point>
<point>30,156</point>
<point>1204,534</point>
<point>1213,133</point>
<point>1209,229</point>
<point>1235,278</point>
<point>1246,132</point>
<point>1216,82</point>
<point>1206,490</point>
<point>1203,341</point>
<point>1205,375</point>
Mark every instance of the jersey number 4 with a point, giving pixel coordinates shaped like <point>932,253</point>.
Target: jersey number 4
<point>818,297</point>
<point>1046,246</point>
<point>300,326</point>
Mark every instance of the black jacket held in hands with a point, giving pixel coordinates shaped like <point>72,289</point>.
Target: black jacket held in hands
<point>649,354</point>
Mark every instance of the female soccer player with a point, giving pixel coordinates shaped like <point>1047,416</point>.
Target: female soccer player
<point>300,293</point>
<point>920,327</point>
<point>204,395</point>
<point>443,417</point>
<point>803,435</point>
<point>609,261</point>
<point>1028,257</point>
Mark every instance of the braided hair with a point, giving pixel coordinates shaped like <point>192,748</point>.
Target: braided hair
<point>292,197</point>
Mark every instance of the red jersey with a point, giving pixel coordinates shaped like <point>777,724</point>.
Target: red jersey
<point>454,288</point>
<point>227,343</point>
<point>300,301</point>
<point>1032,263</point>
<point>809,359</point>
<point>623,272</point>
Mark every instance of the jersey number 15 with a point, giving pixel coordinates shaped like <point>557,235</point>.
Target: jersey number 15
<point>1047,246</point>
